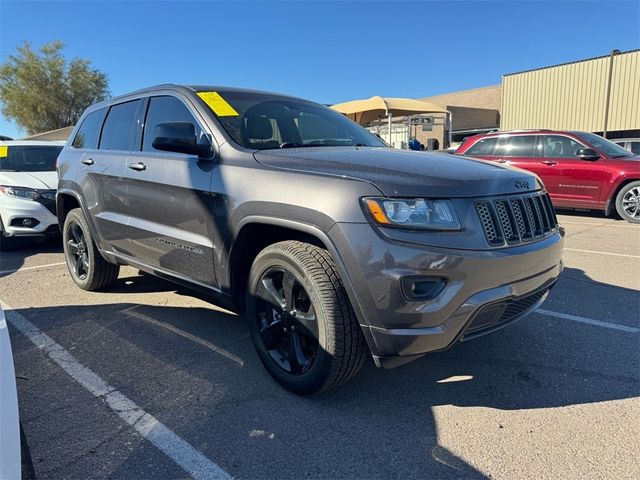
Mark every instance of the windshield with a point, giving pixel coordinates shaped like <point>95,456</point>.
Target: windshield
<point>610,149</point>
<point>36,158</point>
<point>262,121</point>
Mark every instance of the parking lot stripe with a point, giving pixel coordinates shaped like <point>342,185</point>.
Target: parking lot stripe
<point>589,321</point>
<point>602,253</point>
<point>221,351</point>
<point>35,267</point>
<point>562,222</point>
<point>182,453</point>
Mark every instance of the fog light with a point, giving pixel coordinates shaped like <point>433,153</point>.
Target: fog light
<point>422,288</point>
<point>24,222</point>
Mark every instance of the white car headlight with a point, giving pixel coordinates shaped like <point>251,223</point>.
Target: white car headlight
<point>20,192</point>
<point>413,213</point>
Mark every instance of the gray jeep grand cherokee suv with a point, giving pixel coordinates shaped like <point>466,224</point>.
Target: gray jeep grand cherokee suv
<point>330,243</point>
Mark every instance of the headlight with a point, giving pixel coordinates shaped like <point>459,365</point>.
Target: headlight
<point>19,192</point>
<point>413,213</point>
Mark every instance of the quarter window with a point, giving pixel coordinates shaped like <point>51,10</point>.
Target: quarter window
<point>162,110</point>
<point>559,146</point>
<point>516,146</point>
<point>483,147</point>
<point>119,130</point>
<point>89,131</point>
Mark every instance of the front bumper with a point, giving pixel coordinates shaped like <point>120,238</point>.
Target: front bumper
<point>500,285</point>
<point>13,208</point>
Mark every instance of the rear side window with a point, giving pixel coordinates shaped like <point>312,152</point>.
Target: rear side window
<point>89,131</point>
<point>162,110</point>
<point>516,146</point>
<point>635,147</point>
<point>559,146</point>
<point>118,132</point>
<point>483,147</point>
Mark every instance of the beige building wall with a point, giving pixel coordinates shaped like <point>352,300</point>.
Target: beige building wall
<point>484,97</point>
<point>572,96</point>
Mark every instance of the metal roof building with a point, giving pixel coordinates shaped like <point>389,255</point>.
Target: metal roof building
<point>574,96</point>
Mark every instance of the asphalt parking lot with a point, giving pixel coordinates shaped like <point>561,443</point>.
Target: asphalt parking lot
<point>149,380</point>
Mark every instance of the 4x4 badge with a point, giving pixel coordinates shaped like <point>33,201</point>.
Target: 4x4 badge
<point>522,184</point>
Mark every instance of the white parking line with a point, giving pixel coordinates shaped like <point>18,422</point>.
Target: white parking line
<point>35,267</point>
<point>602,253</point>
<point>193,462</point>
<point>145,318</point>
<point>589,321</point>
<point>562,222</point>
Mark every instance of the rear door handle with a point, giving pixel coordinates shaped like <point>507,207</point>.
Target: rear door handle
<point>549,162</point>
<point>138,166</point>
<point>88,161</point>
<point>502,160</point>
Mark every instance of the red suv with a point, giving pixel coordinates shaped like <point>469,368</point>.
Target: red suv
<point>579,169</point>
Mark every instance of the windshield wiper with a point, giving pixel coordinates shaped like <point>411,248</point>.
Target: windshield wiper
<point>290,145</point>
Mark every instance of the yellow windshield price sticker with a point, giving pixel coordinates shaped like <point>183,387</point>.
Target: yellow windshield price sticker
<point>218,104</point>
<point>4,151</point>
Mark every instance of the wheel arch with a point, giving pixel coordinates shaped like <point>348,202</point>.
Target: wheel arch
<point>611,202</point>
<point>257,232</point>
<point>65,202</point>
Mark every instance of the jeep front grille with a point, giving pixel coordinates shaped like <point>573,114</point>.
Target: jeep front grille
<point>516,220</point>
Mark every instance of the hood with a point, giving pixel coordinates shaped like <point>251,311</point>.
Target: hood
<point>406,173</point>
<point>38,180</point>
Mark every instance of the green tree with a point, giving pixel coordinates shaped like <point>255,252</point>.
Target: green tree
<point>41,91</point>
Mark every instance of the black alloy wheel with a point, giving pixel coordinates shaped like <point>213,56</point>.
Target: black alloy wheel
<point>302,324</point>
<point>77,256</point>
<point>287,321</point>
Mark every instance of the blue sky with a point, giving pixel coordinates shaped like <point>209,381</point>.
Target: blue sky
<point>324,51</point>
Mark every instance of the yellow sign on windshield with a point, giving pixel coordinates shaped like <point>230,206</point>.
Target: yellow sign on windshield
<point>218,104</point>
<point>4,151</point>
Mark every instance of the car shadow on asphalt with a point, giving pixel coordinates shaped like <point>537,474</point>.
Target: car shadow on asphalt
<point>14,258</point>
<point>195,369</point>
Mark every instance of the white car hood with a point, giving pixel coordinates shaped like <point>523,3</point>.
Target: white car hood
<point>39,180</point>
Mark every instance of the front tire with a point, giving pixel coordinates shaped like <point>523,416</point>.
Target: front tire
<point>88,269</point>
<point>301,322</point>
<point>6,243</point>
<point>628,202</point>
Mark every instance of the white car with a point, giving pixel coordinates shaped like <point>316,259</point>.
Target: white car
<point>10,462</point>
<point>28,183</point>
<point>631,144</point>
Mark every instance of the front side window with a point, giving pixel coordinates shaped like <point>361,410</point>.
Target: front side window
<point>634,147</point>
<point>118,132</point>
<point>263,121</point>
<point>166,109</point>
<point>516,146</point>
<point>483,147</point>
<point>27,158</point>
<point>559,146</point>
<point>89,131</point>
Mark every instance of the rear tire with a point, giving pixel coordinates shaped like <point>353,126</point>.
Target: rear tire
<point>88,269</point>
<point>628,202</point>
<point>294,284</point>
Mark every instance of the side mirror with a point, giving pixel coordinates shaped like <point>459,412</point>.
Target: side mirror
<point>180,137</point>
<point>588,154</point>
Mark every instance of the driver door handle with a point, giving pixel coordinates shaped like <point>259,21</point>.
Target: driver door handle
<point>138,166</point>
<point>502,160</point>
<point>88,161</point>
<point>549,162</point>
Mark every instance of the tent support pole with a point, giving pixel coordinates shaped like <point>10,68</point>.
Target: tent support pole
<point>389,127</point>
